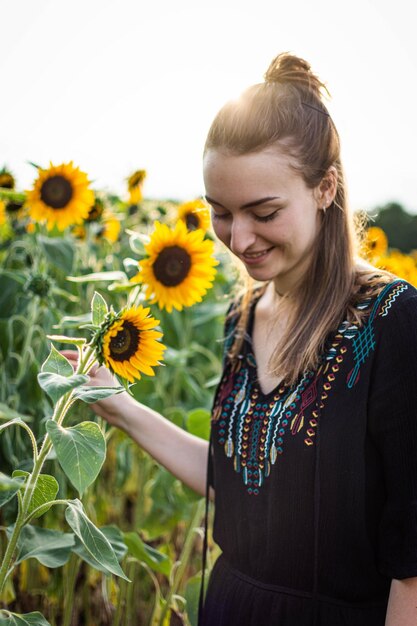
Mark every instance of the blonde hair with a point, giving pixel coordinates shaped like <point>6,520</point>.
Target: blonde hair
<point>288,111</point>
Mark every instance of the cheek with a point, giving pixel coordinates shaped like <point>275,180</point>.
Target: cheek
<point>221,230</point>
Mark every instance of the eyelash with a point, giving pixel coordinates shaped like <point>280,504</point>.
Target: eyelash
<point>266,218</point>
<point>258,218</point>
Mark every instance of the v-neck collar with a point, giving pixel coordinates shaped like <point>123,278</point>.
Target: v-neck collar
<point>280,387</point>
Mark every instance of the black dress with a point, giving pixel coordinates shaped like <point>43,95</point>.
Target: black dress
<point>316,484</point>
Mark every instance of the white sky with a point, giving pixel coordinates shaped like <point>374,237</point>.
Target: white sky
<point>121,85</point>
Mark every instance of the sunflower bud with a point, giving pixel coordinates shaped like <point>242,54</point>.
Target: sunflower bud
<point>39,284</point>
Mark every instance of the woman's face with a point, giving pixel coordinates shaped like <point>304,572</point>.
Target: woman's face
<point>263,211</point>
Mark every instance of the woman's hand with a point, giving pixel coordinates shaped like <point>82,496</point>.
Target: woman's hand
<point>113,408</point>
<point>182,453</point>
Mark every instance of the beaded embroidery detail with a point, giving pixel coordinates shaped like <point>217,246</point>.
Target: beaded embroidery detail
<point>252,426</point>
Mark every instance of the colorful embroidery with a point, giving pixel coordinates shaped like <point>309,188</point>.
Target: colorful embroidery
<point>391,298</point>
<point>252,426</point>
<point>364,342</point>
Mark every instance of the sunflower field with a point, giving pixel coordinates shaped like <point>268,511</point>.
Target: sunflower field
<point>93,530</point>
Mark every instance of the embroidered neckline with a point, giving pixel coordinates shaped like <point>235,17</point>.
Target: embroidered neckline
<point>252,426</point>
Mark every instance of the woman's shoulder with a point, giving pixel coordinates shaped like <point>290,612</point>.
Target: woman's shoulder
<point>390,302</point>
<point>374,285</point>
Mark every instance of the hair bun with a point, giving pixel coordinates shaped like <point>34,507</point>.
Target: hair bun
<point>287,68</point>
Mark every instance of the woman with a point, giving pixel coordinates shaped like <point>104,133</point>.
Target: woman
<point>314,437</point>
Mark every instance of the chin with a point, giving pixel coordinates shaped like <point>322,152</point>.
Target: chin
<point>263,276</point>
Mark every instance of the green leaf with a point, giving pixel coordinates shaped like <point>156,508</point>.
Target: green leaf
<point>56,386</point>
<point>76,341</point>
<point>140,550</point>
<point>94,394</point>
<point>26,619</point>
<point>115,538</point>
<point>50,547</point>
<point>57,363</point>
<point>8,487</point>
<point>73,321</point>
<point>198,423</point>
<point>6,413</point>
<point>44,493</point>
<point>131,264</point>
<point>192,596</point>
<point>121,287</point>
<point>59,251</point>
<point>97,276</point>
<point>80,450</point>
<point>10,289</point>
<point>95,542</point>
<point>99,308</point>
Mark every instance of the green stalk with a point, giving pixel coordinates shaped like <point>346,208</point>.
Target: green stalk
<point>121,603</point>
<point>131,566</point>
<point>31,322</point>
<point>58,416</point>
<point>22,513</point>
<point>69,586</point>
<point>184,558</point>
<point>14,196</point>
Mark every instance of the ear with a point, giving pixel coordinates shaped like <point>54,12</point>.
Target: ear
<point>326,190</point>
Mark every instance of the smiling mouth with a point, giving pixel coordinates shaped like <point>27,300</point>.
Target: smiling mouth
<point>256,255</point>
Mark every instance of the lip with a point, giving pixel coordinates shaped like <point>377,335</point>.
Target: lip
<point>261,255</point>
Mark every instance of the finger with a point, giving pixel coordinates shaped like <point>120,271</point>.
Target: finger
<point>70,354</point>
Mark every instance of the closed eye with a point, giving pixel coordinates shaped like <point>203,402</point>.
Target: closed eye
<point>220,216</point>
<point>266,218</point>
<point>258,218</point>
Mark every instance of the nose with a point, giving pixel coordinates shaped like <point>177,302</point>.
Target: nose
<point>241,235</point>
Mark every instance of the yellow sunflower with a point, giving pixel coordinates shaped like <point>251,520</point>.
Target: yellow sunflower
<point>16,210</point>
<point>134,185</point>
<point>96,211</point>
<point>136,179</point>
<point>130,346</point>
<point>6,179</point>
<point>110,229</point>
<point>400,264</point>
<point>180,267</point>
<point>2,213</point>
<point>61,196</point>
<point>79,232</point>
<point>195,214</point>
<point>375,243</point>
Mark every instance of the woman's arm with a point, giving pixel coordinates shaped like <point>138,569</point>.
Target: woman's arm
<point>183,454</point>
<point>402,605</point>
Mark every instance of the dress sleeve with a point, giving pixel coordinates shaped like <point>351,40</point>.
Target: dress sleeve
<point>392,413</point>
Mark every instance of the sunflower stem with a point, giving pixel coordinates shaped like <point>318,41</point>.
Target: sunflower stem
<point>184,558</point>
<point>31,323</point>
<point>9,194</point>
<point>60,411</point>
<point>121,602</point>
<point>69,586</point>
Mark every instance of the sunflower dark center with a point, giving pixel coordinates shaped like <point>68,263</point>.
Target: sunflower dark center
<point>95,212</point>
<point>14,207</point>
<point>125,344</point>
<point>56,192</point>
<point>192,221</point>
<point>172,266</point>
<point>6,181</point>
